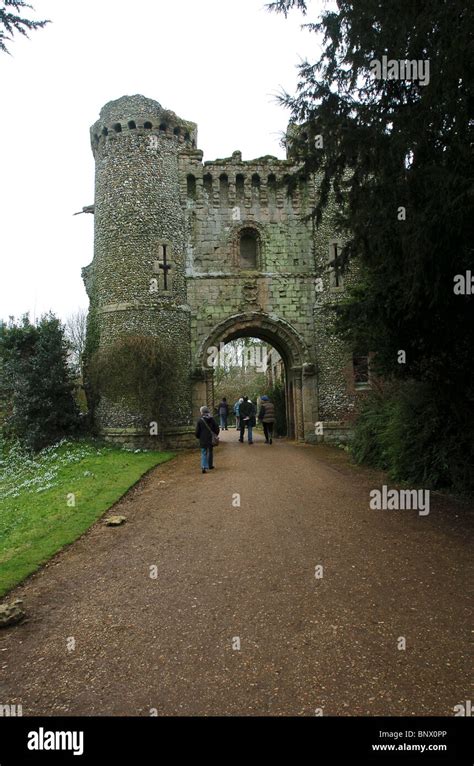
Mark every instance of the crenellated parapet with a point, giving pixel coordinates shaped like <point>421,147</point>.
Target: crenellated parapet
<point>140,116</point>
<point>265,182</point>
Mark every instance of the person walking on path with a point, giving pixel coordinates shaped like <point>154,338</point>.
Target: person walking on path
<point>247,418</point>
<point>223,411</point>
<point>206,428</point>
<point>267,417</point>
<point>237,413</point>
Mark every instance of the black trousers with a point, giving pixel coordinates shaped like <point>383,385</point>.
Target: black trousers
<point>268,431</point>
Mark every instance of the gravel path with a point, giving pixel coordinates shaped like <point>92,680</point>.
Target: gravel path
<point>227,574</point>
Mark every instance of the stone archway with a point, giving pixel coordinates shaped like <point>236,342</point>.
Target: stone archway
<point>301,390</point>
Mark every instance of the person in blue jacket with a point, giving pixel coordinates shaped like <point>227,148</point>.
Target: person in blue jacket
<point>237,413</point>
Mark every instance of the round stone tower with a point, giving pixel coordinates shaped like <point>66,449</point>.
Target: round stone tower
<point>136,282</point>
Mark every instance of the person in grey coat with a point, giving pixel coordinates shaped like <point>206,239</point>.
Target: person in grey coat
<point>267,417</point>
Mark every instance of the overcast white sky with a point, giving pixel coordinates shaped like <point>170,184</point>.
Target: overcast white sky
<point>215,62</point>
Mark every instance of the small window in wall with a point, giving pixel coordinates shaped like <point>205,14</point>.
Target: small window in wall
<point>239,187</point>
<point>147,125</point>
<point>118,127</point>
<point>163,268</point>
<point>163,127</point>
<point>335,264</point>
<point>303,184</point>
<point>207,183</point>
<point>177,132</point>
<point>191,187</point>
<point>289,183</point>
<point>361,371</point>
<point>255,185</point>
<point>249,246</point>
<point>272,186</point>
<point>224,189</point>
<point>132,125</point>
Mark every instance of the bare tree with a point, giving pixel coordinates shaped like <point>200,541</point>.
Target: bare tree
<point>76,334</point>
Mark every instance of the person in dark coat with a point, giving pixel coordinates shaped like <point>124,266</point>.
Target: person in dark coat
<point>205,427</point>
<point>267,417</point>
<point>223,411</point>
<point>247,418</point>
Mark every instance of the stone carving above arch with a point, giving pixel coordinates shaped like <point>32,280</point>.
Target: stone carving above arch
<point>250,295</point>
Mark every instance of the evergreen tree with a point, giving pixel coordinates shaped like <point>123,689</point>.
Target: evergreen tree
<point>36,389</point>
<point>11,22</point>
<point>391,143</point>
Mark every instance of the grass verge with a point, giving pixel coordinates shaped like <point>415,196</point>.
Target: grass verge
<point>48,500</point>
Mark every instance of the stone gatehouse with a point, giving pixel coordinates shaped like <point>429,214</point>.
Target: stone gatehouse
<point>202,253</point>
